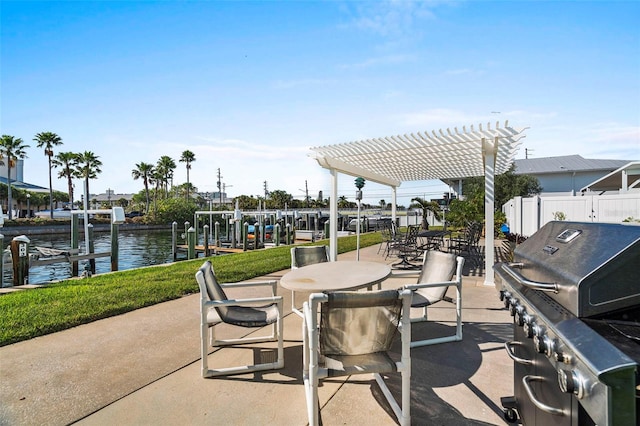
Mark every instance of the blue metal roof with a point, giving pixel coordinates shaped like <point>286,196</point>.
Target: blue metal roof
<point>563,164</point>
<point>23,185</point>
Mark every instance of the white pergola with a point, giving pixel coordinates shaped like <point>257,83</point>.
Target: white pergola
<point>445,155</point>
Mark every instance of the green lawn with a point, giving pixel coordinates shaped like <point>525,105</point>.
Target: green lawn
<point>31,313</point>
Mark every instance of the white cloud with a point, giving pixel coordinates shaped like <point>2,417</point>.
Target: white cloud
<point>393,18</point>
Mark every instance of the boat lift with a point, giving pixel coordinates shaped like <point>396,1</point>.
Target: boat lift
<point>22,260</point>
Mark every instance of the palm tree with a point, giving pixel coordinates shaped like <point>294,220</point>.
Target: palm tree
<point>187,157</point>
<point>68,161</point>
<point>165,168</point>
<point>343,203</point>
<point>155,179</point>
<point>426,206</point>
<point>88,167</point>
<point>48,140</point>
<point>144,171</point>
<point>12,149</point>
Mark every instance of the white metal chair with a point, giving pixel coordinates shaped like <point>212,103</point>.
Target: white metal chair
<point>303,256</point>
<point>217,308</point>
<point>439,272</point>
<point>352,334</point>
<point>308,255</point>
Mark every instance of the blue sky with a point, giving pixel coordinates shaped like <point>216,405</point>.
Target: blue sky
<point>249,87</point>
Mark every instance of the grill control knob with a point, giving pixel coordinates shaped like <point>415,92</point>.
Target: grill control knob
<point>513,303</point>
<point>519,315</point>
<point>571,382</point>
<point>550,346</point>
<point>537,329</point>
<point>562,357</point>
<point>538,344</point>
<point>528,326</point>
<point>543,344</point>
<point>506,298</point>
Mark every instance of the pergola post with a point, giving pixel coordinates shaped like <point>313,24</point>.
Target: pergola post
<point>394,201</point>
<point>333,215</point>
<point>489,151</point>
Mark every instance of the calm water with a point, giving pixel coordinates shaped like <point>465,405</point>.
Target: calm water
<point>140,248</point>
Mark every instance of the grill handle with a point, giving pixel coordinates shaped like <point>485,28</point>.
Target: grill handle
<point>528,283</point>
<point>532,396</point>
<point>507,347</point>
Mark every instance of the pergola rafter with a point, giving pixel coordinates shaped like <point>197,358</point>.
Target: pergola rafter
<point>430,155</point>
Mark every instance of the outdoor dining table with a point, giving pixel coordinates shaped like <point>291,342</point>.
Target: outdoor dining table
<point>335,276</point>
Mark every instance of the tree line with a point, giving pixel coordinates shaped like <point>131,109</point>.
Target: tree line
<point>162,200</point>
<point>85,165</point>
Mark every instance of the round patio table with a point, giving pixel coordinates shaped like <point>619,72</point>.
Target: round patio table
<point>335,276</point>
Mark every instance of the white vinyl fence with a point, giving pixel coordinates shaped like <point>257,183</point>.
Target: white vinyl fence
<point>526,215</point>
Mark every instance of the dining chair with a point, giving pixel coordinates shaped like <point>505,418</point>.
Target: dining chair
<point>348,333</point>
<point>407,249</point>
<point>303,256</point>
<point>390,236</point>
<point>439,272</point>
<point>308,255</point>
<point>467,241</point>
<point>255,312</point>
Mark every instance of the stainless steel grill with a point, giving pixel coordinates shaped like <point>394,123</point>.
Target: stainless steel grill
<point>574,292</point>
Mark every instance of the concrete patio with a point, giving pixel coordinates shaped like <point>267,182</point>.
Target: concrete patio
<point>143,367</point>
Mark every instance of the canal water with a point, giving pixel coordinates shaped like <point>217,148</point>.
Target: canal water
<point>136,248</point>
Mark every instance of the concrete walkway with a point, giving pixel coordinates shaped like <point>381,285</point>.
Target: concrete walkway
<point>143,367</point>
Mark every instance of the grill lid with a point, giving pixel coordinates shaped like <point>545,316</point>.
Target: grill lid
<point>589,268</point>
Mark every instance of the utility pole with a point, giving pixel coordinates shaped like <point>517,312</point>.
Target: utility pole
<point>220,186</point>
<point>266,193</point>
<point>306,194</point>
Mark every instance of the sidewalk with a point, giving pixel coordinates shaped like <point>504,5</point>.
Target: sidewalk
<point>143,367</point>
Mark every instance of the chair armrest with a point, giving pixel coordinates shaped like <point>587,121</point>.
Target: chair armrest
<point>404,272</point>
<point>429,285</point>
<point>243,302</point>
<point>272,283</point>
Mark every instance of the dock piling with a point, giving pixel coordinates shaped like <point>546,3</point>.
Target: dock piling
<point>191,243</point>
<point>75,224</point>
<point>174,240</point>
<point>115,248</point>
<point>205,236</point>
<point>20,260</point>
<point>92,260</point>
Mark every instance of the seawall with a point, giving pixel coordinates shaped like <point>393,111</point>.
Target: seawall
<point>14,231</point>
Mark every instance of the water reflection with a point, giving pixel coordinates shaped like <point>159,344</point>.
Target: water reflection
<point>139,248</point>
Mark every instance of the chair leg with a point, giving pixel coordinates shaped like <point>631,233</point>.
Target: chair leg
<point>278,330</point>
<point>204,349</point>
<point>310,375</point>
<point>406,399</point>
<point>452,338</point>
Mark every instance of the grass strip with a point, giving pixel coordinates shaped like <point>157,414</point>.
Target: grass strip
<point>59,306</point>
